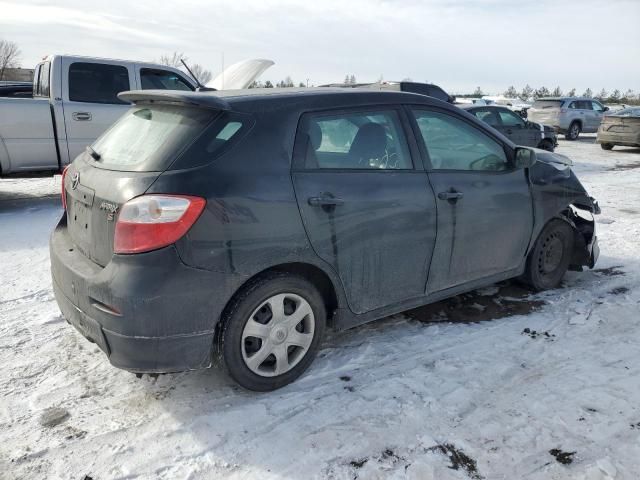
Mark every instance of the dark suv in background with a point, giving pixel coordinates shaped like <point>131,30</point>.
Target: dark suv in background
<point>238,225</point>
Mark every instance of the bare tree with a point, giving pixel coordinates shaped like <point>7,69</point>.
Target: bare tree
<point>9,56</point>
<point>203,75</point>
<point>174,60</point>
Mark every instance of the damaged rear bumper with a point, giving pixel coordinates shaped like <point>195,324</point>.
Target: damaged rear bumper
<point>149,313</point>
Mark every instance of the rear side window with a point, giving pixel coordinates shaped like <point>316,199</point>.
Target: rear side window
<point>97,82</point>
<point>487,116</point>
<point>544,104</point>
<point>156,79</point>
<point>355,140</point>
<point>42,84</point>
<point>150,138</point>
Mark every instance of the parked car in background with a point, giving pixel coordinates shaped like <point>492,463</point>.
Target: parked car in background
<point>514,127</point>
<point>75,99</point>
<point>16,89</point>
<point>568,115</point>
<point>237,225</point>
<point>514,104</point>
<point>620,128</point>
<point>616,107</point>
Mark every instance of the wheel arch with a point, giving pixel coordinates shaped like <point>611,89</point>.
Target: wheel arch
<point>329,288</point>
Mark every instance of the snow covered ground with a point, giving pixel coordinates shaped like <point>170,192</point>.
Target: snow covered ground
<point>551,393</point>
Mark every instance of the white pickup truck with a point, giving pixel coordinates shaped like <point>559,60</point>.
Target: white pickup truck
<point>75,99</point>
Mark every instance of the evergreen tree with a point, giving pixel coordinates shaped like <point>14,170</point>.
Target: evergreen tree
<point>572,93</point>
<point>602,95</point>
<point>557,92</point>
<point>615,96</point>
<point>526,93</point>
<point>541,93</point>
<point>511,92</point>
<point>268,84</point>
<point>352,79</point>
<point>588,93</point>
<point>478,92</point>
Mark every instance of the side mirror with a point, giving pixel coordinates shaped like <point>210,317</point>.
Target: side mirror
<point>606,109</point>
<point>525,157</point>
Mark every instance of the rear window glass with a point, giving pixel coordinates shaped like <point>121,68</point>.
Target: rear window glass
<point>542,104</point>
<point>150,138</point>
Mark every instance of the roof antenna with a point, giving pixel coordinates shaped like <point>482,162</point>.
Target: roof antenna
<point>201,88</point>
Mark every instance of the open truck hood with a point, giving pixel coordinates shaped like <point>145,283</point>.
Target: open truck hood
<point>240,75</point>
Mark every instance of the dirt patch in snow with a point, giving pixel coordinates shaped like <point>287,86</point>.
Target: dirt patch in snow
<point>564,458</point>
<point>625,166</point>
<point>610,271</point>
<point>535,334</point>
<point>618,291</point>
<point>459,460</point>
<point>502,300</point>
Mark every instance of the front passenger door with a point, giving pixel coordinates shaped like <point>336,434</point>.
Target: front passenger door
<point>485,212</point>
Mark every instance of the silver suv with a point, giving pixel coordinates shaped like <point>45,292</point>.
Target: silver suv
<point>568,115</point>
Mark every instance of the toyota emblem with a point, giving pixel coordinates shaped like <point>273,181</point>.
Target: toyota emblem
<point>75,180</point>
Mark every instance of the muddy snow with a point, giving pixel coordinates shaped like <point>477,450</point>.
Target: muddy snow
<point>496,384</point>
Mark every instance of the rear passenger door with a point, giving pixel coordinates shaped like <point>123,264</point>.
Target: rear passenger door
<point>90,102</point>
<point>367,211</point>
<point>597,112</point>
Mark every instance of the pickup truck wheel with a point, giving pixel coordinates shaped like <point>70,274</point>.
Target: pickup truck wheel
<point>547,145</point>
<point>549,259</point>
<point>272,331</point>
<point>573,132</point>
<point>606,146</point>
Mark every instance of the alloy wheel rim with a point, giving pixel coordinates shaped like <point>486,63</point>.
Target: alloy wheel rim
<point>277,335</point>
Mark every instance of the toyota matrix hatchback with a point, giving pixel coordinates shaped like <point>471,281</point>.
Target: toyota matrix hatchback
<point>239,225</point>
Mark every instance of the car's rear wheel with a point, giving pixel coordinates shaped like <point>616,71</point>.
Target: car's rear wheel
<point>272,331</point>
<point>547,145</point>
<point>606,146</point>
<point>550,257</point>
<point>574,131</point>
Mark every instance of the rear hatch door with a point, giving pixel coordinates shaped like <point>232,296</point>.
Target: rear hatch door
<point>122,164</point>
<point>545,111</point>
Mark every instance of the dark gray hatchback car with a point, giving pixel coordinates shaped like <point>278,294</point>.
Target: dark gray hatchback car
<point>520,131</point>
<point>239,225</point>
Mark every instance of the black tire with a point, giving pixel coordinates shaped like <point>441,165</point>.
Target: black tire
<point>240,310</point>
<point>549,259</point>
<point>547,145</point>
<point>606,146</point>
<point>574,131</point>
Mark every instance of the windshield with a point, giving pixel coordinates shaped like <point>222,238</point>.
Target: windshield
<point>149,138</point>
<point>542,104</point>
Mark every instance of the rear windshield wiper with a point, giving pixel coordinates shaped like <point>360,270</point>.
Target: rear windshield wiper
<point>96,156</point>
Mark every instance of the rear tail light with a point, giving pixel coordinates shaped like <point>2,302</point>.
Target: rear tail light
<point>150,222</point>
<point>63,193</point>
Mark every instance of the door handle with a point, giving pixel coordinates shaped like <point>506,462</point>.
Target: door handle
<point>451,195</point>
<point>509,131</point>
<point>81,116</point>
<point>325,201</point>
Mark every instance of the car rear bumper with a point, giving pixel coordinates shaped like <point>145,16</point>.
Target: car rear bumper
<point>149,313</point>
<point>626,139</point>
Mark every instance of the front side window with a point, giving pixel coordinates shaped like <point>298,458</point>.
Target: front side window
<point>356,140</point>
<point>97,82</point>
<point>583,105</point>
<point>156,79</point>
<point>510,119</point>
<point>597,107</point>
<point>453,144</point>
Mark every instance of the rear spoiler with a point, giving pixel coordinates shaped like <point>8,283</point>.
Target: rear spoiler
<point>174,97</point>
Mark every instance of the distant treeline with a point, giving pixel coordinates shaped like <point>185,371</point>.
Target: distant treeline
<point>528,94</point>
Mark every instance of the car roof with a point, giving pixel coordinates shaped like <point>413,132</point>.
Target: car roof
<point>259,99</point>
<point>563,99</point>
<point>473,106</point>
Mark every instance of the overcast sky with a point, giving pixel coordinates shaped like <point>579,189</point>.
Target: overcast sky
<point>459,44</point>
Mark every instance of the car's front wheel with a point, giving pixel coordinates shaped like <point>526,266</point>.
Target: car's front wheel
<point>272,331</point>
<point>606,146</point>
<point>549,259</point>
<point>574,131</point>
